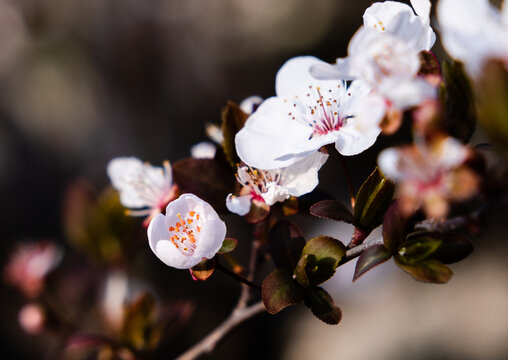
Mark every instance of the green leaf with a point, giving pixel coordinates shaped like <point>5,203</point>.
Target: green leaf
<point>320,257</point>
<point>322,306</point>
<point>372,200</point>
<point>492,92</point>
<point>429,271</point>
<point>228,245</point>
<point>454,247</point>
<point>279,290</point>
<point>203,270</point>
<point>285,243</point>
<point>456,94</point>
<point>333,210</point>
<point>306,264</point>
<point>418,246</point>
<point>233,119</point>
<point>370,258</point>
<point>209,179</point>
<point>395,227</point>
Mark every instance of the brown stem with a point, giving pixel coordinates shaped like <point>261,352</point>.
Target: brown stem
<point>354,252</point>
<point>358,237</point>
<point>235,276</point>
<point>240,313</point>
<point>245,295</point>
<point>208,344</point>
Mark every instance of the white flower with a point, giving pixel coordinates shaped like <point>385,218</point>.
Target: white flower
<point>141,185</point>
<point>473,31</point>
<point>203,150</point>
<point>429,174</point>
<point>271,186</point>
<point>384,53</point>
<point>397,19</point>
<point>306,114</point>
<point>190,231</point>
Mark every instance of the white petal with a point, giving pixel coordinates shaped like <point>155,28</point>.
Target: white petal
<point>294,77</point>
<point>270,139</point>
<point>250,104</point>
<point>274,193</point>
<point>158,239</point>
<point>139,184</point>
<point>407,92</point>
<point>388,162</point>
<point>120,168</point>
<point>340,70</point>
<point>171,256</point>
<point>302,177</point>
<point>203,150</point>
<point>422,7</point>
<point>362,130</point>
<point>451,153</point>
<point>214,132</point>
<point>211,238</point>
<point>239,205</point>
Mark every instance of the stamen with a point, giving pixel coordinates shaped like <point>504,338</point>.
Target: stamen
<point>183,232</point>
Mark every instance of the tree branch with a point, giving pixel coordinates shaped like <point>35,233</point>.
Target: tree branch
<point>209,343</point>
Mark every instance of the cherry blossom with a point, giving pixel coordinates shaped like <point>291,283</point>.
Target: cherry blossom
<point>384,53</point>
<point>29,265</point>
<point>141,185</point>
<point>474,31</point>
<point>305,115</point>
<point>271,186</point>
<point>429,175</point>
<point>189,232</point>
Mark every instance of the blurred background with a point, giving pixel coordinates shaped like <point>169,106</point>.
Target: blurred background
<point>82,82</point>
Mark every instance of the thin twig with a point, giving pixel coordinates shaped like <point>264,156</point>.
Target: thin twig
<point>235,276</point>
<point>353,253</point>
<point>209,343</point>
<point>240,313</point>
<point>245,294</point>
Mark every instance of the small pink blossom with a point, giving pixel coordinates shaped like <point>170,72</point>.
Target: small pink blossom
<point>29,265</point>
<point>430,175</point>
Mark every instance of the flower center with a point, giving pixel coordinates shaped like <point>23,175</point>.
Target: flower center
<point>185,233</point>
<point>257,180</point>
<point>322,113</point>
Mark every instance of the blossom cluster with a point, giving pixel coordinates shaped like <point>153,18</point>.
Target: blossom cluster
<point>263,163</point>
<point>267,154</point>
